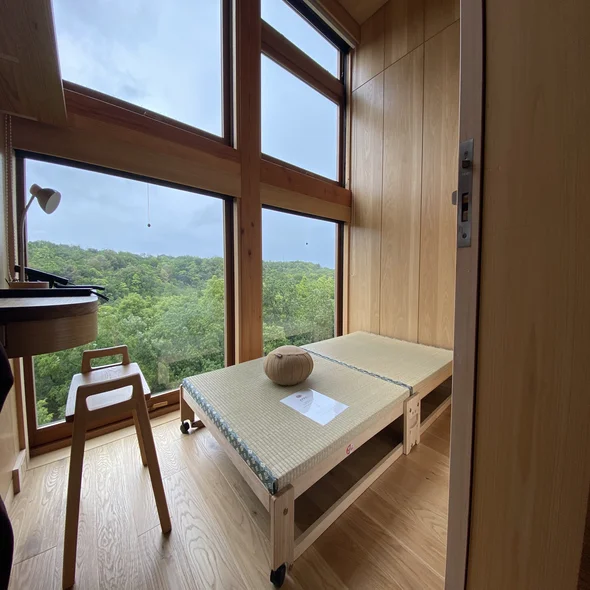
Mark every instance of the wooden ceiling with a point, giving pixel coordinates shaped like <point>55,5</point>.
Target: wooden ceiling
<point>30,79</point>
<point>361,10</point>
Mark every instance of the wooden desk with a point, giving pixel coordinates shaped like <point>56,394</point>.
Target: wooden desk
<point>37,325</point>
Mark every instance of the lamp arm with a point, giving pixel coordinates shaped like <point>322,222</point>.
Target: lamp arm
<point>21,237</point>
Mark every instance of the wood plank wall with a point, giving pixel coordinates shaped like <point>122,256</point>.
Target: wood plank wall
<point>584,574</point>
<point>532,435</point>
<point>404,148</point>
<point>9,442</point>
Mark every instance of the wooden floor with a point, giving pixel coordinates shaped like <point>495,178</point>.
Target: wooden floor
<point>394,536</point>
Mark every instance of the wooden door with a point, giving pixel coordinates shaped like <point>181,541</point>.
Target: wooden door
<point>466,298</point>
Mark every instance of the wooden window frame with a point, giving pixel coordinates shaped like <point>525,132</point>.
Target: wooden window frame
<point>286,54</point>
<point>49,437</point>
<point>104,105</point>
<point>339,279</point>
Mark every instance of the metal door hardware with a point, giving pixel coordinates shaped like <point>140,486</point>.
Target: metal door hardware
<point>464,194</point>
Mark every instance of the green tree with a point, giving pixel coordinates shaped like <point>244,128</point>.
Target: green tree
<point>169,311</point>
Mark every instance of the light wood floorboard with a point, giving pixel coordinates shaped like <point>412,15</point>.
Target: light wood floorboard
<point>393,537</point>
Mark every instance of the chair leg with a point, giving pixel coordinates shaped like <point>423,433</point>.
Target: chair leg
<point>73,502</point>
<point>153,465</point>
<point>139,439</point>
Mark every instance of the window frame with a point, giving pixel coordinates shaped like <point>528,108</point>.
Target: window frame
<point>157,124</point>
<point>59,434</point>
<point>286,54</point>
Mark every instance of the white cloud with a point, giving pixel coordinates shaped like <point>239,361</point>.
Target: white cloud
<point>164,55</point>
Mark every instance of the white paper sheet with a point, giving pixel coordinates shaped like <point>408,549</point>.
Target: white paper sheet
<point>317,406</point>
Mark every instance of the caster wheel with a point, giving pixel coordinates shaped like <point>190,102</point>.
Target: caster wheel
<point>185,427</point>
<point>277,577</point>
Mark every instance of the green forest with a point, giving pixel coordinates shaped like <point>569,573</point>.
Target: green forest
<point>170,313</point>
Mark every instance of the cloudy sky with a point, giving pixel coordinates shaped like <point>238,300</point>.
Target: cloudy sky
<point>165,56</point>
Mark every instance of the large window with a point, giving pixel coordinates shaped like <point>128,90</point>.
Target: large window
<point>286,21</point>
<point>299,125</point>
<point>162,56</point>
<point>303,97</point>
<point>159,253</point>
<point>299,276</point>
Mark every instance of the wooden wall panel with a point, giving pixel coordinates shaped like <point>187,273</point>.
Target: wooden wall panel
<point>367,177</point>
<point>4,122</point>
<point>584,574</point>
<point>402,170</point>
<point>532,436</point>
<point>419,133</point>
<point>369,56</point>
<point>439,180</point>
<point>30,80</point>
<point>361,10</point>
<point>9,444</point>
<point>404,28</point>
<point>439,14</point>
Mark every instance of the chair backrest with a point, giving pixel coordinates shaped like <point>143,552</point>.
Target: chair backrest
<point>88,355</point>
<point>108,385</point>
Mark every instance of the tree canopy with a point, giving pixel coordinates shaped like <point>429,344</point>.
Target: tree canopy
<point>170,313</point>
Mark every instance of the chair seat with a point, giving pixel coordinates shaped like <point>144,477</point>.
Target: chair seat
<point>110,398</point>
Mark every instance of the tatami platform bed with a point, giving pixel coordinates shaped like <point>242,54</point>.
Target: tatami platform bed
<point>281,453</point>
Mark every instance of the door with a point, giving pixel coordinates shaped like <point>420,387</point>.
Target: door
<point>467,288</point>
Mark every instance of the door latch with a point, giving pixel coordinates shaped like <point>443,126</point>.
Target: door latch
<point>463,196</point>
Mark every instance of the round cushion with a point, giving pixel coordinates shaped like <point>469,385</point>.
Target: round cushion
<point>288,365</point>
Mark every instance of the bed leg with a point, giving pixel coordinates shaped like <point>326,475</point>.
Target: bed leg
<point>187,416</point>
<point>411,423</point>
<point>282,533</point>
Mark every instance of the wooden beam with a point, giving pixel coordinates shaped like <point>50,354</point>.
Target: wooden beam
<point>106,138</point>
<point>297,181</point>
<point>294,201</point>
<point>248,210</point>
<point>113,146</point>
<point>295,190</point>
<point>99,107</point>
<point>30,79</point>
<point>288,55</point>
<point>332,12</point>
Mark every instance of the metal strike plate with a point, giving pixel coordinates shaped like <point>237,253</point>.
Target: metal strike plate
<point>464,194</point>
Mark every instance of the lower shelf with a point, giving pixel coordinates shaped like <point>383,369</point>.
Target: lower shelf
<point>322,503</point>
<point>336,484</point>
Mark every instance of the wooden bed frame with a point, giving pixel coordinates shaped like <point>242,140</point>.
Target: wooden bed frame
<point>281,506</point>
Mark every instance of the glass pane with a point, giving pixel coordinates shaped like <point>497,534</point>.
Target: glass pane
<point>289,23</point>
<point>159,253</point>
<point>299,263</point>
<point>299,125</point>
<point>163,56</point>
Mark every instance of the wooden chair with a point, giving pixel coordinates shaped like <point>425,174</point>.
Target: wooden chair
<point>97,394</point>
